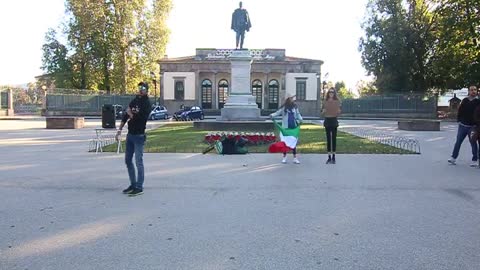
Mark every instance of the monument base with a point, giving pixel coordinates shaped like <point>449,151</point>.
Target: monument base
<point>238,126</point>
<point>241,105</point>
<point>240,108</point>
<point>240,113</point>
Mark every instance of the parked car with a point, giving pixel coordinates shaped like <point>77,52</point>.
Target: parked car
<point>177,115</point>
<point>189,113</point>
<point>119,111</point>
<point>158,112</point>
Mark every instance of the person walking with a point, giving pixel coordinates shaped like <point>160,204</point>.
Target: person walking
<point>465,125</point>
<point>291,118</point>
<point>136,116</point>
<point>475,133</point>
<point>331,110</point>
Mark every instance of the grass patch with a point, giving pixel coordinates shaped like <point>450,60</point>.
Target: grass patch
<point>182,138</point>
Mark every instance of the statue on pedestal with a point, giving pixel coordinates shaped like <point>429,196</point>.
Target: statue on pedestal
<point>240,24</point>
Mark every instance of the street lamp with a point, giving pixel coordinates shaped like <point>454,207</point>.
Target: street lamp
<point>44,105</point>
<point>319,90</point>
<point>324,87</point>
<point>154,80</point>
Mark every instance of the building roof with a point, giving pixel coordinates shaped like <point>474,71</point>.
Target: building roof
<point>221,55</point>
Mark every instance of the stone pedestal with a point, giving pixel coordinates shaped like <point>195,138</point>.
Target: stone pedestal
<point>65,122</point>
<point>241,103</point>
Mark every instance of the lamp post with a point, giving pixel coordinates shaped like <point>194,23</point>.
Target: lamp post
<point>44,105</point>
<point>154,80</point>
<point>324,87</point>
<point>319,90</point>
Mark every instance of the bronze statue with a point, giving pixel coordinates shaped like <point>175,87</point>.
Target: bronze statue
<point>240,24</point>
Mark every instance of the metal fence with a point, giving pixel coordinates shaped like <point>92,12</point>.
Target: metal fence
<point>390,104</point>
<point>86,103</point>
<point>4,100</point>
<point>410,145</point>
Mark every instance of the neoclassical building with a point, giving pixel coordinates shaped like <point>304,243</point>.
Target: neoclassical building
<point>204,80</point>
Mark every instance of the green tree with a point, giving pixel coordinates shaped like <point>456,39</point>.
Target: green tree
<point>342,91</point>
<point>397,44</point>
<point>79,34</point>
<point>365,88</point>
<point>457,58</point>
<point>417,45</point>
<point>55,60</point>
<point>113,44</point>
<point>154,35</point>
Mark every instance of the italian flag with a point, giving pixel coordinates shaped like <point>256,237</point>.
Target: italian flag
<point>288,139</point>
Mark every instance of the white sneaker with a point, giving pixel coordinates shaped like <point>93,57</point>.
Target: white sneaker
<point>452,161</point>
<point>296,161</point>
<point>284,160</point>
<point>474,164</point>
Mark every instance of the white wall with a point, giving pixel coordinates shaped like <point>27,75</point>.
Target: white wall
<point>169,84</point>
<point>291,84</point>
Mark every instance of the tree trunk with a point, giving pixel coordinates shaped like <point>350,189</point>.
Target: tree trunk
<point>83,75</point>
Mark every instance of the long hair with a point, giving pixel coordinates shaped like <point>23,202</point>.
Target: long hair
<point>334,94</point>
<point>289,104</point>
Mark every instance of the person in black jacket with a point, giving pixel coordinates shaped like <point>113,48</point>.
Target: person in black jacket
<point>475,134</point>
<point>465,125</point>
<point>136,116</point>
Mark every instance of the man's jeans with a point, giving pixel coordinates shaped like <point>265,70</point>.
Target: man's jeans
<point>135,145</point>
<point>464,131</point>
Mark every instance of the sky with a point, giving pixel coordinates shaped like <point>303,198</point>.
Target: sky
<point>328,30</point>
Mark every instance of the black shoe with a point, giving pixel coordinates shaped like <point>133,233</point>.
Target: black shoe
<point>333,161</point>
<point>128,190</point>
<point>135,192</point>
<point>329,160</point>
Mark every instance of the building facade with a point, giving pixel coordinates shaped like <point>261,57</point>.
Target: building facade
<point>204,80</point>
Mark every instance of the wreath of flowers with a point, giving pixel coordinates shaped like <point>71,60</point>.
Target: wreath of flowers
<point>253,138</point>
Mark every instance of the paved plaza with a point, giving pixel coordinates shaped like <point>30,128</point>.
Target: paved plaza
<point>62,207</point>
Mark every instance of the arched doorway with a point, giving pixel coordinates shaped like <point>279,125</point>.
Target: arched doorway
<point>222,93</point>
<point>273,88</point>
<point>257,92</point>
<point>206,94</point>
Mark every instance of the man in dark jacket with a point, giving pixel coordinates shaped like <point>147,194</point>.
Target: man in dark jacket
<point>475,134</point>
<point>466,124</point>
<point>136,116</point>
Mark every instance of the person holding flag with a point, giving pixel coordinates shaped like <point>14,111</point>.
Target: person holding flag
<point>289,130</point>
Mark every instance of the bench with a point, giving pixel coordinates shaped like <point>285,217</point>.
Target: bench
<point>419,125</point>
<point>65,122</point>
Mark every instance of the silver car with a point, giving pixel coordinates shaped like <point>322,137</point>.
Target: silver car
<point>158,112</point>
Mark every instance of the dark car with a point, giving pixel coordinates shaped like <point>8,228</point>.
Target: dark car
<point>177,115</point>
<point>158,112</point>
<point>189,114</point>
<point>119,111</point>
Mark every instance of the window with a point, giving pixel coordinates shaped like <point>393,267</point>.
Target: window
<point>179,90</point>
<point>222,93</point>
<point>273,94</point>
<point>257,92</point>
<point>4,100</point>
<point>206,94</point>
<point>301,92</point>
